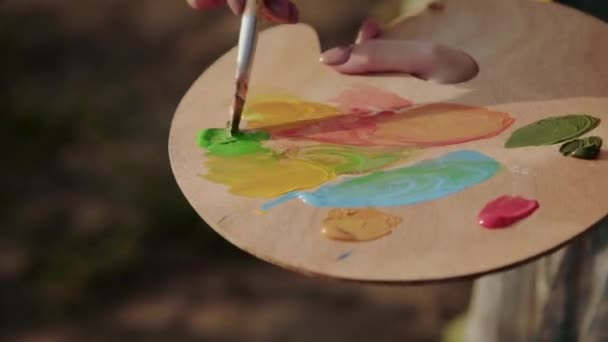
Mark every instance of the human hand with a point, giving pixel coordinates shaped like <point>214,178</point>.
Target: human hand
<point>424,59</point>
<point>276,11</point>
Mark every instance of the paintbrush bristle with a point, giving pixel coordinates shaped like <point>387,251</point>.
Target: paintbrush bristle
<point>238,104</point>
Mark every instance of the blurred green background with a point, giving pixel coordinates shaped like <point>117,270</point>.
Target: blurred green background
<point>98,243</point>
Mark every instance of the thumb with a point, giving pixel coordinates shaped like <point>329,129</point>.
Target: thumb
<point>369,30</point>
<point>422,59</point>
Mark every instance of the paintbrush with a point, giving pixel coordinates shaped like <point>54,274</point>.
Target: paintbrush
<point>246,50</point>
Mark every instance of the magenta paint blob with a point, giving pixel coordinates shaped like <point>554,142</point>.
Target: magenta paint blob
<point>505,211</point>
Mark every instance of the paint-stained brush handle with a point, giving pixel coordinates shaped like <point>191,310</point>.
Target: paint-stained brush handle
<point>246,52</point>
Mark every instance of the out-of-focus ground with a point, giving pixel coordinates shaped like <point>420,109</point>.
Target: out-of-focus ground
<point>97,243</point>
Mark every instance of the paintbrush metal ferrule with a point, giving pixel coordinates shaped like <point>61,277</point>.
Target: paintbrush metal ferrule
<point>246,52</point>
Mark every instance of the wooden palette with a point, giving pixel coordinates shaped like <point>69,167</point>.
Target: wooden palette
<point>537,60</point>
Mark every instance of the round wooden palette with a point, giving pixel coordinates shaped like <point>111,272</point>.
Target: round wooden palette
<point>536,60</point>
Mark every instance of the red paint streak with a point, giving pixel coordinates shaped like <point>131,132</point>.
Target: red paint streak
<point>353,129</point>
<point>364,98</point>
<point>506,210</point>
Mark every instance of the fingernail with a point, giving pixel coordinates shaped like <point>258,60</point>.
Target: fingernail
<point>237,6</point>
<point>370,29</point>
<point>336,56</point>
<point>280,8</point>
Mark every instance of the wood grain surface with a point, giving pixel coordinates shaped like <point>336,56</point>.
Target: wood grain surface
<point>536,60</point>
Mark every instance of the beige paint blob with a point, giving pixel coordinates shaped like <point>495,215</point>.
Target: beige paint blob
<point>358,224</point>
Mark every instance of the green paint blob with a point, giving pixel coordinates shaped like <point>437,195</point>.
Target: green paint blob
<point>220,142</point>
<point>352,160</point>
<point>586,148</point>
<point>552,130</point>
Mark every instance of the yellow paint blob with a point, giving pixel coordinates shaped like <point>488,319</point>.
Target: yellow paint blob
<point>270,112</point>
<point>442,124</point>
<point>358,224</point>
<point>264,175</point>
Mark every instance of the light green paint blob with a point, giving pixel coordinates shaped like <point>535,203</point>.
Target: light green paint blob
<point>352,160</point>
<point>552,130</point>
<point>219,142</point>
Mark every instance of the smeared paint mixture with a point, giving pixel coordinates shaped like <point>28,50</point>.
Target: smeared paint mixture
<point>296,149</point>
<point>268,174</point>
<point>429,125</point>
<point>505,211</point>
<point>364,130</point>
<point>358,224</point>
<point>421,182</point>
<point>552,130</point>
<point>343,160</point>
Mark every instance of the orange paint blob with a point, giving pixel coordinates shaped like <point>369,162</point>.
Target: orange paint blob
<point>442,124</point>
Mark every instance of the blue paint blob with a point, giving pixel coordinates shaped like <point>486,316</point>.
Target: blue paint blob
<point>425,181</point>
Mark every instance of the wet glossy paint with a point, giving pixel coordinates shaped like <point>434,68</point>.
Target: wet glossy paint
<point>437,124</point>
<point>358,224</point>
<point>552,130</point>
<point>505,211</point>
<point>421,182</point>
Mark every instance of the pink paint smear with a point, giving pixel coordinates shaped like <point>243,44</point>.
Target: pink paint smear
<point>364,98</point>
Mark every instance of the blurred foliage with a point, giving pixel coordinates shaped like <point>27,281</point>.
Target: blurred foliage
<point>597,8</point>
<point>85,216</point>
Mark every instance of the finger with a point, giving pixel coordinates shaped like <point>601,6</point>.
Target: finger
<point>237,6</point>
<point>426,60</point>
<point>205,4</point>
<point>280,11</point>
<point>369,30</point>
